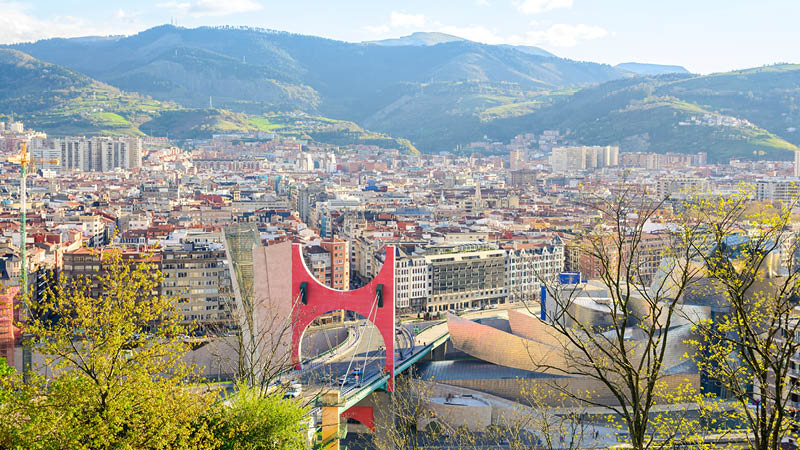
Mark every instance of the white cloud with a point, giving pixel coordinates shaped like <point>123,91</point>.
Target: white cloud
<point>403,20</point>
<point>17,25</point>
<point>477,33</point>
<point>539,6</point>
<point>209,8</point>
<point>397,20</point>
<point>483,2</point>
<point>565,35</point>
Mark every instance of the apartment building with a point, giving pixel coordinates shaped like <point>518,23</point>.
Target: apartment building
<point>86,263</point>
<point>564,159</point>
<point>778,190</point>
<point>198,276</point>
<point>466,280</point>
<point>94,154</point>
<point>329,262</point>
<point>411,282</point>
<point>339,255</point>
<point>529,265</point>
<point>680,185</point>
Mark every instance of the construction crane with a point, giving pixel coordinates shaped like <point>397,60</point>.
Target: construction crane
<point>23,159</point>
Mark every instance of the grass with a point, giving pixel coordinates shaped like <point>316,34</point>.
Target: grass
<point>110,119</point>
<point>769,140</point>
<point>510,109</point>
<point>262,123</point>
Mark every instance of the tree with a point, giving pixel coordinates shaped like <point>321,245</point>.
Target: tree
<point>117,379</point>
<point>257,352</point>
<point>408,421</point>
<point>546,417</point>
<point>254,420</point>
<point>749,347</point>
<point>629,372</point>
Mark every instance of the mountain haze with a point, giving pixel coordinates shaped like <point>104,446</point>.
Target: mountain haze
<point>437,90</point>
<point>423,38</point>
<point>420,38</point>
<point>676,112</point>
<point>254,71</point>
<point>650,69</point>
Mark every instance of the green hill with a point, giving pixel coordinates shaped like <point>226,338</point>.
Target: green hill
<point>259,71</point>
<point>61,102</point>
<point>678,113</point>
<point>54,99</point>
<point>438,91</point>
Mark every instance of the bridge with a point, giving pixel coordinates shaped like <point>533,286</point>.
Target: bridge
<point>274,282</point>
<point>376,367</point>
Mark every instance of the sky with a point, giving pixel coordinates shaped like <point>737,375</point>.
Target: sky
<point>702,35</point>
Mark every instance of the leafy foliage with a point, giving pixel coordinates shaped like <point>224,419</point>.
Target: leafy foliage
<point>117,376</point>
<point>749,346</point>
<point>254,421</point>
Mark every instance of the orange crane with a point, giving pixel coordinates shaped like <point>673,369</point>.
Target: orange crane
<point>23,159</point>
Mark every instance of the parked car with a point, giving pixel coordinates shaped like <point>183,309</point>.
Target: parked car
<point>294,391</point>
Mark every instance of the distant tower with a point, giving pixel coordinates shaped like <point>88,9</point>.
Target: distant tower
<point>478,201</point>
<point>210,103</point>
<point>797,163</point>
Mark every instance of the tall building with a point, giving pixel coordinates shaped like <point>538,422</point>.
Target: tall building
<point>797,164</point>
<point>517,159</point>
<point>330,263</point>
<point>466,280</point>
<point>95,154</point>
<point>197,274</point>
<point>339,262</point>
<point>583,157</point>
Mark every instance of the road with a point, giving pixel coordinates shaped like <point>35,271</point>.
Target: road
<point>367,352</point>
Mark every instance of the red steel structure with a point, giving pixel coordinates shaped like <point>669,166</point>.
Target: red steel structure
<point>9,333</point>
<point>375,301</point>
<point>364,414</point>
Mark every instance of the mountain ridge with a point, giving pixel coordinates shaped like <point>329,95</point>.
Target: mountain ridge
<point>439,96</point>
<point>252,70</point>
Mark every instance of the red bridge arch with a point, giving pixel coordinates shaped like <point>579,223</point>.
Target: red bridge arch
<point>319,299</point>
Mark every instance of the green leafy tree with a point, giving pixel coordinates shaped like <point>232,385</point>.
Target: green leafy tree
<point>112,348</point>
<point>254,420</point>
<point>648,408</point>
<point>750,347</point>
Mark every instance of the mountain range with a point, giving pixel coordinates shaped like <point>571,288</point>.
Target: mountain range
<point>436,89</point>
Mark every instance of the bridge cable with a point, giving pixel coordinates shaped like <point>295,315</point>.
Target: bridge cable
<point>350,364</point>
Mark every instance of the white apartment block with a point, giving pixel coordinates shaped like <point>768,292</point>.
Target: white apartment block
<point>411,282</point>
<point>528,268</point>
<point>564,159</point>
<point>681,184</point>
<point>94,154</point>
<point>778,190</point>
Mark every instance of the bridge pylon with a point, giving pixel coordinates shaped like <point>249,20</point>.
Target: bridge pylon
<point>375,301</point>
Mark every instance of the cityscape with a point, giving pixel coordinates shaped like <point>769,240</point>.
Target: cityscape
<point>225,236</point>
